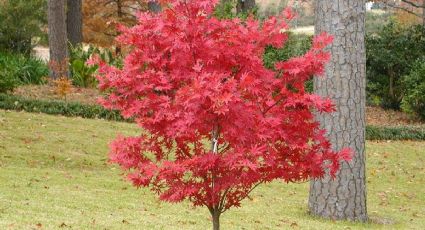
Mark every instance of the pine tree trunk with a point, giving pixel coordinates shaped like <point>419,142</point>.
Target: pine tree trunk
<point>423,13</point>
<point>344,83</point>
<point>244,6</point>
<point>57,38</point>
<point>74,21</point>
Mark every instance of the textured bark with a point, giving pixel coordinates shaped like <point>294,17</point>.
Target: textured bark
<point>344,83</point>
<point>74,21</point>
<point>245,6</point>
<point>423,13</point>
<point>57,38</point>
<point>154,6</point>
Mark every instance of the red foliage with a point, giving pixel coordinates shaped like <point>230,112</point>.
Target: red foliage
<point>192,79</point>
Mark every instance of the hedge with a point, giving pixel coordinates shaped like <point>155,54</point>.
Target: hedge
<point>69,109</point>
<point>73,109</point>
<point>395,133</point>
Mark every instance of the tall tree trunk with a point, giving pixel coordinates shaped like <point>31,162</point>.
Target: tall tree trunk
<point>423,13</point>
<point>154,6</point>
<point>57,39</point>
<point>244,6</point>
<point>344,83</point>
<point>74,21</point>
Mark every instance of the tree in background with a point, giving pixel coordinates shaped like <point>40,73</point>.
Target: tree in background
<point>101,17</point>
<point>344,83</point>
<point>190,79</point>
<point>20,22</point>
<point>57,39</point>
<point>412,7</point>
<point>74,21</point>
<point>245,6</point>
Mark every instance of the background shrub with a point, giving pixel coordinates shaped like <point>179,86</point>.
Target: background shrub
<point>8,80</point>
<point>414,99</point>
<point>24,69</point>
<point>297,45</point>
<point>83,75</point>
<point>390,55</point>
<point>20,22</point>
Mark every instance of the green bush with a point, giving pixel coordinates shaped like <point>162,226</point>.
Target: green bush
<point>414,98</point>
<point>82,74</point>
<point>226,9</point>
<point>297,45</point>
<point>8,80</point>
<point>24,69</point>
<point>20,22</point>
<point>395,133</point>
<point>390,55</point>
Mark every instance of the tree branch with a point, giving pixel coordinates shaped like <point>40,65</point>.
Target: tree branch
<point>402,8</point>
<point>413,4</point>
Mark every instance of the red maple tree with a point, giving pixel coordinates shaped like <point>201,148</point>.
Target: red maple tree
<point>216,123</point>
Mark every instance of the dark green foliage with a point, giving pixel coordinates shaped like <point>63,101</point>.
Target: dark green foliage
<point>297,45</point>
<point>17,69</point>
<point>390,55</point>
<point>82,74</point>
<point>226,9</point>
<point>414,98</point>
<point>20,22</point>
<point>70,109</point>
<point>8,81</point>
<point>395,133</point>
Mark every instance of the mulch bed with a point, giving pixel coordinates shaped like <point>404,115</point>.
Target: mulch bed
<point>375,116</point>
<point>46,92</point>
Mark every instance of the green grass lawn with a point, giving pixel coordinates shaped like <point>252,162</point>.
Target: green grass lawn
<point>54,175</point>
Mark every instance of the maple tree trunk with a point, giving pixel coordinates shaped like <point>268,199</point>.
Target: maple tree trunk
<point>74,21</point>
<point>215,215</point>
<point>57,36</point>
<point>215,211</point>
<point>344,83</point>
<point>245,6</point>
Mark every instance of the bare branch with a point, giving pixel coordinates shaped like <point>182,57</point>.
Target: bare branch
<point>413,4</point>
<point>403,8</point>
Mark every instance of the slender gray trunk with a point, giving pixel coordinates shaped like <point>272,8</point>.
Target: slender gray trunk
<point>344,83</point>
<point>215,211</point>
<point>57,39</point>
<point>74,21</point>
